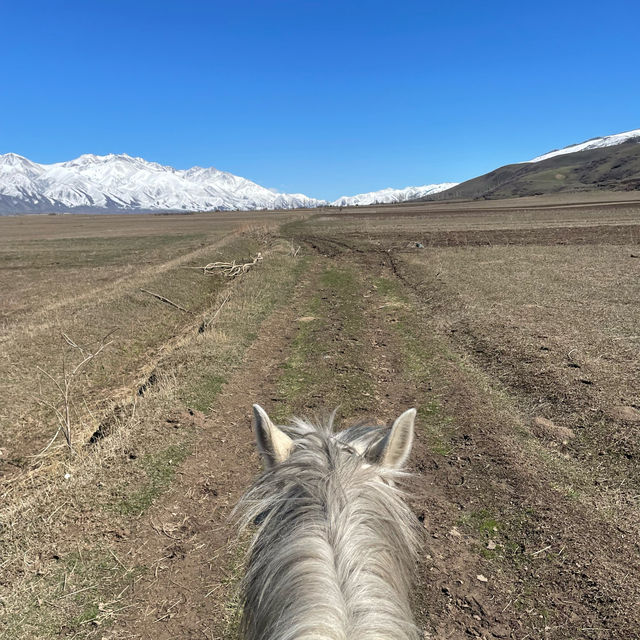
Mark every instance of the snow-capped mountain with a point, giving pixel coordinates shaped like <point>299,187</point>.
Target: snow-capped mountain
<point>594,143</point>
<point>385,196</point>
<point>114,183</point>
<point>122,183</point>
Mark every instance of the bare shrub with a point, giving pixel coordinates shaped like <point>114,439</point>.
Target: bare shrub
<point>64,409</point>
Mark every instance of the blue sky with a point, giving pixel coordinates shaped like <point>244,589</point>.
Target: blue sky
<point>325,98</point>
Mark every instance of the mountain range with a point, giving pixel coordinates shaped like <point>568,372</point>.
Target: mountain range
<point>121,183</point>
<point>594,143</point>
<point>114,183</point>
<point>386,196</point>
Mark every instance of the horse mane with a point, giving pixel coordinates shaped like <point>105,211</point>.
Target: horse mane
<point>335,549</point>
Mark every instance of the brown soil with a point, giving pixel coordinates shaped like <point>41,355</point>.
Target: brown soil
<point>187,538</point>
<point>563,565</point>
<point>505,555</point>
<point>529,530</point>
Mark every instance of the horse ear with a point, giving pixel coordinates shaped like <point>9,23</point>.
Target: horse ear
<point>397,444</point>
<point>273,444</point>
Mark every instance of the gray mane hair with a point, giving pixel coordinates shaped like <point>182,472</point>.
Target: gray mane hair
<point>334,554</point>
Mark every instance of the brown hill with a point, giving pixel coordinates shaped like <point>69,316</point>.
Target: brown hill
<point>614,168</point>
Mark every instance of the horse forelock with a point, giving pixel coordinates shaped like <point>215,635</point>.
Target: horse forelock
<point>334,553</point>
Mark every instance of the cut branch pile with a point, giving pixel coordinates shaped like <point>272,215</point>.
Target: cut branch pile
<point>230,269</point>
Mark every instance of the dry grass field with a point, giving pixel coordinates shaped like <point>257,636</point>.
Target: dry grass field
<point>82,276</point>
<point>513,327</point>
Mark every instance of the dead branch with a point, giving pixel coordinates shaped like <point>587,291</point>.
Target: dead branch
<point>230,269</point>
<point>166,300</point>
<point>206,323</point>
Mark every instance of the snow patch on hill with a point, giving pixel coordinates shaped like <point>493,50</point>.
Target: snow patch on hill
<point>594,143</point>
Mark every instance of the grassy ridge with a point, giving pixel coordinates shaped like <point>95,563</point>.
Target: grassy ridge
<point>120,477</point>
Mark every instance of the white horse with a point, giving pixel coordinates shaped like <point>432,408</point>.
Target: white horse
<point>334,554</point>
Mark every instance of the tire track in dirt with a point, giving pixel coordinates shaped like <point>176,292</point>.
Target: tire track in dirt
<point>491,509</point>
<point>449,600</point>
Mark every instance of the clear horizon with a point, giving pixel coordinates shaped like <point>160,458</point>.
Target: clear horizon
<point>326,99</point>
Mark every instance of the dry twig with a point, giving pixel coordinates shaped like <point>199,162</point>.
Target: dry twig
<point>65,387</point>
<point>207,323</point>
<point>166,300</point>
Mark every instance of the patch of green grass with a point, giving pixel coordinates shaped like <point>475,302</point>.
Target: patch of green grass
<point>421,356</point>
<point>90,612</point>
<point>233,607</point>
<point>482,522</point>
<point>326,355</point>
<point>159,468</point>
<point>436,426</point>
<point>340,280</point>
<point>297,374</point>
<point>509,534</point>
<point>487,554</point>
<point>203,391</point>
<point>385,286</point>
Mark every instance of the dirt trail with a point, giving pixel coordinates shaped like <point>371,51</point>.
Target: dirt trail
<point>505,554</point>
<point>511,552</point>
<point>186,540</point>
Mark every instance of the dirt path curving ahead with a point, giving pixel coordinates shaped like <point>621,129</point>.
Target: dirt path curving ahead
<point>506,554</point>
